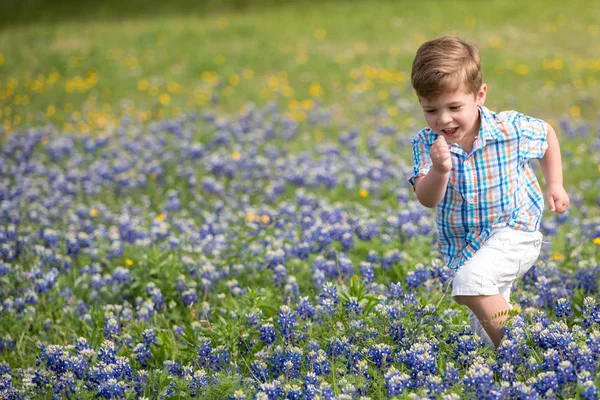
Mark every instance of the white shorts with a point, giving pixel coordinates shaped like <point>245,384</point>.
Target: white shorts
<point>506,256</point>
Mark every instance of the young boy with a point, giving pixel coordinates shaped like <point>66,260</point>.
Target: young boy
<point>473,166</point>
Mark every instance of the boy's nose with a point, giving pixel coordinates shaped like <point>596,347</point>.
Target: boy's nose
<point>445,118</point>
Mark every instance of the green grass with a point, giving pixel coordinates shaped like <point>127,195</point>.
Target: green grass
<point>539,57</point>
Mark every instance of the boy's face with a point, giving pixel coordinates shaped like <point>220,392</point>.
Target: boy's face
<point>455,115</point>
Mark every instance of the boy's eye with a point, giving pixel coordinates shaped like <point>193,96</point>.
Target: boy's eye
<point>429,111</point>
<point>454,108</point>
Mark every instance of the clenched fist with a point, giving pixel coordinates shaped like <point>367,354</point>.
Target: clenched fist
<point>440,155</point>
<point>557,197</point>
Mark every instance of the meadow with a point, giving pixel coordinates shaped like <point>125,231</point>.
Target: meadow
<point>211,201</point>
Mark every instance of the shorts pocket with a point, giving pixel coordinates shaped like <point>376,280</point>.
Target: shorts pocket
<point>531,255</point>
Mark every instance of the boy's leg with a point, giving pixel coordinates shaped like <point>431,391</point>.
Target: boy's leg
<point>477,328</point>
<point>486,307</point>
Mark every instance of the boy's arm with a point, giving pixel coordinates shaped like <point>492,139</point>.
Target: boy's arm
<point>551,163</point>
<point>430,189</point>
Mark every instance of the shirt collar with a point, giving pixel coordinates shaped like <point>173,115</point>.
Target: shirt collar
<point>487,130</point>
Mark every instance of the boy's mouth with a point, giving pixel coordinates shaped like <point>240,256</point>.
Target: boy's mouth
<point>450,131</point>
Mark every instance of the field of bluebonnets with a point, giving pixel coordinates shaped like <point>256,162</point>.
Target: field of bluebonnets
<point>213,203</point>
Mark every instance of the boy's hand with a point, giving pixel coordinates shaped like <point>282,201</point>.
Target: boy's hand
<point>440,155</point>
<point>557,197</point>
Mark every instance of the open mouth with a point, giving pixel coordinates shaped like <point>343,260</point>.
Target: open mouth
<point>450,131</point>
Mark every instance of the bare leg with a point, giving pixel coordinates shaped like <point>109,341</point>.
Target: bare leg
<point>485,308</point>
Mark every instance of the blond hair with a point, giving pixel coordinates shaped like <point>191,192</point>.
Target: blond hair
<point>446,64</point>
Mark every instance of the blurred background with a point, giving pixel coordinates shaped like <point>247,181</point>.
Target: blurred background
<point>82,65</point>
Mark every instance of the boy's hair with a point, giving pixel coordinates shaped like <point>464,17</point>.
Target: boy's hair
<point>444,65</point>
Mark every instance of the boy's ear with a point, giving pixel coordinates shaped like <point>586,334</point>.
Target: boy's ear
<point>480,96</point>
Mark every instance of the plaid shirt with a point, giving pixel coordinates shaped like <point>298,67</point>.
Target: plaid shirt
<point>494,186</point>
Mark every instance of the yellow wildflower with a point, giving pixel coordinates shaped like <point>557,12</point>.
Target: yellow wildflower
<point>363,192</point>
<point>143,85</point>
<point>128,262</point>
<point>320,34</point>
<point>94,212</point>
<point>164,99</point>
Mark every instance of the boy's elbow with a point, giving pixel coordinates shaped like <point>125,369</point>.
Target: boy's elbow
<point>426,201</point>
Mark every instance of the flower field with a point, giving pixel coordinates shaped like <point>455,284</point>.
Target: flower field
<point>237,231</point>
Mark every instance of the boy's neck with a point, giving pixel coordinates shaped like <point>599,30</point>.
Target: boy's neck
<point>467,143</point>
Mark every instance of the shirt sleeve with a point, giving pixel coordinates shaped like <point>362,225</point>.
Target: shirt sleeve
<point>421,159</point>
<point>533,138</point>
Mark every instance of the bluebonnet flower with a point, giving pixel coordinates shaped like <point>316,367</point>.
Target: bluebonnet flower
<point>372,256</point>
<point>7,390</point>
<point>197,380</point>
<point>347,241</point>
<point>396,382</point>
<point>478,380</point>
<point>318,362</point>
<point>338,347</point>
<point>380,354</point>
<point>390,257</point>
<point>545,382</point>
<point>329,292</point>
<point>590,391</point>
<point>142,353</point>
<point>532,364</point>
<point>174,368</point>
<point>268,335</point>
<point>293,392</point>
<point>280,274</point>
<point>287,322</point>
<point>260,370</point>
<point>291,290</point>
<point>238,395</point>
<point>111,326</point>
<point>563,308</point>
<point>319,278</point>
<point>353,307</point>
<point>524,391</point>
<point>586,277</point>
<point>367,229</point>
<point>420,357</point>
<point>107,352</point>
<point>366,269</point>
<point>585,360</point>
<point>305,308</point>
<point>435,385</point>
<point>326,391</point>
<point>450,374</point>
<point>7,343</point>
<point>303,250</point>
<point>345,265</point>
<point>111,389</point>
<point>121,275</point>
<point>552,359</point>
<point>591,312</point>
<point>395,290</point>
<point>189,297</point>
<point>272,390</point>
<point>566,373</point>
<point>157,296</point>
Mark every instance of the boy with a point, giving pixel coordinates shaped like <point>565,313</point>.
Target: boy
<point>473,165</point>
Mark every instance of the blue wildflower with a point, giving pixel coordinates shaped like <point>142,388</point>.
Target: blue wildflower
<point>395,382</point>
<point>268,335</point>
